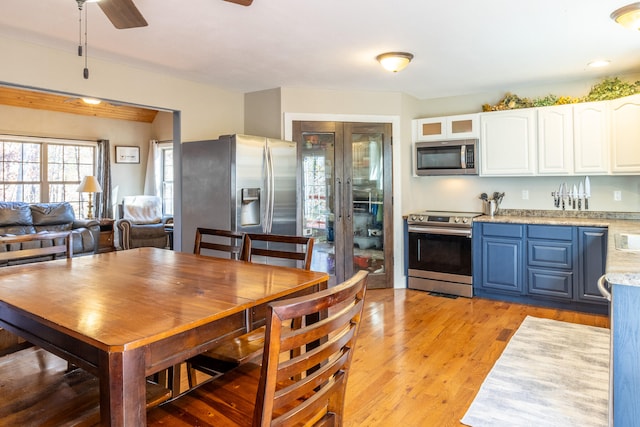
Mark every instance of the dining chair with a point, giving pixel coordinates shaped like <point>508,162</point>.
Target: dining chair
<point>308,389</point>
<point>49,245</point>
<point>213,239</point>
<point>249,346</point>
<point>39,389</point>
<point>268,248</point>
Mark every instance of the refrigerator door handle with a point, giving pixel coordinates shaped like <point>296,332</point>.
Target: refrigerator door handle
<point>265,177</point>
<point>271,195</point>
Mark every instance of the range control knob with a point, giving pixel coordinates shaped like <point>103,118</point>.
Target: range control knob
<point>456,220</point>
<point>465,220</point>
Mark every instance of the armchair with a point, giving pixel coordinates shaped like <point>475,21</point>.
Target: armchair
<point>141,223</point>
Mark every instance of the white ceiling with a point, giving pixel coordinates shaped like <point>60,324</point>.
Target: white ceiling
<point>460,47</point>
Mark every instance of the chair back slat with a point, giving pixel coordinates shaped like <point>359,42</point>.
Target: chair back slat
<point>218,240</point>
<point>60,243</point>
<point>309,384</point>
<point>278,246</point>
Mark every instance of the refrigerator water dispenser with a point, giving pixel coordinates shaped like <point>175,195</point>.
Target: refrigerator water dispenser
<point>250,207</point>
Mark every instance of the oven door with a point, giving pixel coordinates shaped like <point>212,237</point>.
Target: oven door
<point>440,253</point>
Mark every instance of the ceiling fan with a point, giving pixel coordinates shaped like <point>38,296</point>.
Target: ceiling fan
<point>124,14</point>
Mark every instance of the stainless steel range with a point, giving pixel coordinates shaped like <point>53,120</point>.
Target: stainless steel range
<point>440,252</point>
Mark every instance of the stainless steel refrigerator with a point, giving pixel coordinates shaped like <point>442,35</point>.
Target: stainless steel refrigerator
<point>238,182</point>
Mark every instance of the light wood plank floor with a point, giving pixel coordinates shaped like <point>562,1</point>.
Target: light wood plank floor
<point>420,359</point>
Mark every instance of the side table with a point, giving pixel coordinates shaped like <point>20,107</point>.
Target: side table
<point>106,243</point>
<point>168,229</point>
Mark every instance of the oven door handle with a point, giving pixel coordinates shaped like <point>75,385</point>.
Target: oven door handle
<point>438,230</point>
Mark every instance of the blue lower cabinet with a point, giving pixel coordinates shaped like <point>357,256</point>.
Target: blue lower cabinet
<point>540,263</point>
<point>502,265</point>
<point>593,248</point>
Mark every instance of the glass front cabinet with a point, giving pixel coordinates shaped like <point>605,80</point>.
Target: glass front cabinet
<point>345,193</point>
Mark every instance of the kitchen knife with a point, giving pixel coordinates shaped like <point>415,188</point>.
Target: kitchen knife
<point>575,195</point>
<point>587,192</point>
<point>580,195</point>
<point>570,195</point>
<point>559,196</point>
<point>564,193</point>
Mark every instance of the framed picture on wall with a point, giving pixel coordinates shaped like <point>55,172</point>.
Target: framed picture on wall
<point>126,154</point>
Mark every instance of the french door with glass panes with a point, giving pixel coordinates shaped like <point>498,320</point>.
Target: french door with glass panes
<point>345,193</point>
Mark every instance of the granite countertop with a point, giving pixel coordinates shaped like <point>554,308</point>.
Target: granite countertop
<point>622,267</point>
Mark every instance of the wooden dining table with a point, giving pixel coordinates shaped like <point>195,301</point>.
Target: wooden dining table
<point>129,314</point>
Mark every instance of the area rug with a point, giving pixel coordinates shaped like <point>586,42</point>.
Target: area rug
<point>550,374</point>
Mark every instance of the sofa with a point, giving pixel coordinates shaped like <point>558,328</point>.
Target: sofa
<point>18,218</point>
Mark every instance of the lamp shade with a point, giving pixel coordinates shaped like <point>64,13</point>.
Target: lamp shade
<point>628,16</point>
<point>394,61</point>
<point>89,184</point>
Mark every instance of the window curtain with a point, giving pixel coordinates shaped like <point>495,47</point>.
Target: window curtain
<point>152,178</point>
<point>104,206</point>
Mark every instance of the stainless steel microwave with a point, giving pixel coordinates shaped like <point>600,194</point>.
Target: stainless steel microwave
<point>447,157</point>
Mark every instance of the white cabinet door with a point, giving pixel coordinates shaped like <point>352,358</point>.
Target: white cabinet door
<point>450,127</point>
<point>625,135</point>
<point>555,140</point>
<point>591,137</point>
<point>508,143</point>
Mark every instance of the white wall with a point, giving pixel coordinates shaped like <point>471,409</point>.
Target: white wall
<point>262,113</point>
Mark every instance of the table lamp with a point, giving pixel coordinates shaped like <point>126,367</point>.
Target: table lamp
<point>90,185</point>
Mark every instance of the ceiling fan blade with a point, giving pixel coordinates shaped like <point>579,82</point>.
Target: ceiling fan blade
<point>242,2</point>
<point>122,13</point>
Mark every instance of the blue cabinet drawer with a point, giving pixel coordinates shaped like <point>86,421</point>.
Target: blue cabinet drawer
<point>550,254</point>
<point>503,230</point>
<point>551,232</point>
<point>550,283</point>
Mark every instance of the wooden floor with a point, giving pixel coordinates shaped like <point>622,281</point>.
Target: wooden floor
<point>420,359</point>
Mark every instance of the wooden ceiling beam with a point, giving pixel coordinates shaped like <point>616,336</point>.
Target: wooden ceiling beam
<point>72,105</point>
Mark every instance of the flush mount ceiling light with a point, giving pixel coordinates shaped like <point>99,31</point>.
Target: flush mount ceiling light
<point>91,101</point>
<point>598,63</point>
<point>394,61</point>
<point>628,16</point>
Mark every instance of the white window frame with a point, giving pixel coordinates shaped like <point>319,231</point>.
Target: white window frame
<point>167,199</point>
<point>79,204</point>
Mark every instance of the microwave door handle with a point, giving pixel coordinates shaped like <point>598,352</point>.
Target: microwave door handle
<point>463,152</point>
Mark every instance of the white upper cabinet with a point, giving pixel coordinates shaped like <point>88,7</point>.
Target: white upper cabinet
<point>508,143</point>
<point>591,137</point>
<point>555,140</point>
<point>625,135</point>
<point>451,127</point>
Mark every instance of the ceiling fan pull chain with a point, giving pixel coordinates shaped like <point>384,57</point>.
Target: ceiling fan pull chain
<point>79,29</point>
<point>86,49</point>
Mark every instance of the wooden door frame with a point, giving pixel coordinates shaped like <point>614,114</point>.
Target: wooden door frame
<point>399,280</point>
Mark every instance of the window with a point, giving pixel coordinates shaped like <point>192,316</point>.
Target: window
<point>166,172</point>
<point>315,190</point>
<point>43,170</point>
